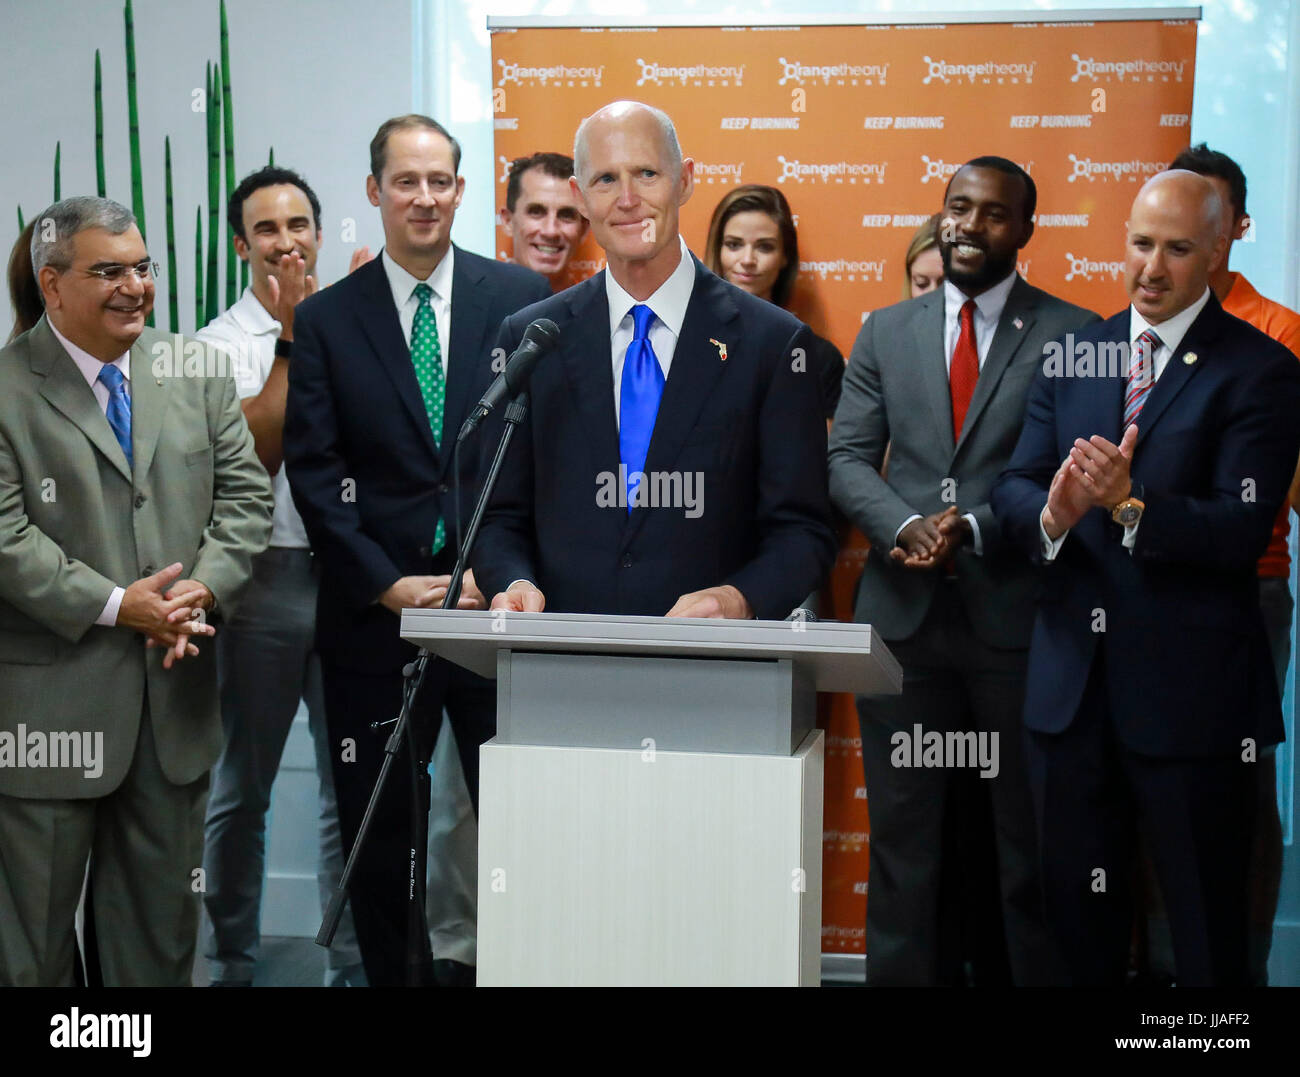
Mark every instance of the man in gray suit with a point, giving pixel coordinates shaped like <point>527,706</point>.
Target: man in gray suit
<point>121,469</point>
<point>944,378</point>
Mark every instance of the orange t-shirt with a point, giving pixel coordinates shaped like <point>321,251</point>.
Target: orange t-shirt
<point>1283,325</point>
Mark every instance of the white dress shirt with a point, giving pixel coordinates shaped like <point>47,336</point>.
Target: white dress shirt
<point>247,334</point>
<point>669,303</point>
<point>403,285</point>
<point>1171,333</point>
<point>988,312</point>
<point>90,368</point>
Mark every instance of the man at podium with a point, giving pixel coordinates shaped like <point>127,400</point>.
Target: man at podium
<point>673,460</point>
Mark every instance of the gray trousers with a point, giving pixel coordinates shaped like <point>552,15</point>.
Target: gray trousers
<point>451,896</point>
<point>952,681</point>
<point>143,842</point>
<point>266,666</point>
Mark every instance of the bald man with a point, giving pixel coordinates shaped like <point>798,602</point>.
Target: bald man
<point>674,458</point>
<point>1145,486</point>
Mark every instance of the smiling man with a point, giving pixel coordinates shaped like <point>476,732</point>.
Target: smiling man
<point>944,377</point>
<point>1147,497</point>
<point>541,215</point>
<point>663,372</point>
<point>114,481</point>
<point>266,656</point>
<point>385,367</point>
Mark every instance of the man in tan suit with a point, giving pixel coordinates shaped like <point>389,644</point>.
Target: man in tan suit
<point>122,469</point>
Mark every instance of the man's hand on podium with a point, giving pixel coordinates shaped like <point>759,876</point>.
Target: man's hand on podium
<point>520,597</point>
<point>724,601</point>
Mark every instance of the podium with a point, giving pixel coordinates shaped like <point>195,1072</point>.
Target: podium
<point>650,810</point>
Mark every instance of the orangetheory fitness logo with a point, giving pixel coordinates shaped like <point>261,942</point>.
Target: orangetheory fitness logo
<point>938,169</point>
<point>988,72</point>
<point>695,74</point>
<point>728,172</point>
<point>1088,67</point>
<point>869,74</point>
<point>834,171</point>
<point>846,269</point>
<point>1087,168</point>
<point>553,74</point>
<point>1087,269</point>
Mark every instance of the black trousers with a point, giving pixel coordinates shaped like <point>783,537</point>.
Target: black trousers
<point>380,884</point>
<point>952,682</point>
<point>1197,815</point>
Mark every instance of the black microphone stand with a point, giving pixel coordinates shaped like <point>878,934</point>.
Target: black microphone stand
<point>419,956</point>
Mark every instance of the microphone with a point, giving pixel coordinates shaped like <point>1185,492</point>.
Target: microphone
<point>540,337</point>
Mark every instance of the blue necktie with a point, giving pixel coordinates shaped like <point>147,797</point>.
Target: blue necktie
<point>119,407</point>
<point>639,394</point>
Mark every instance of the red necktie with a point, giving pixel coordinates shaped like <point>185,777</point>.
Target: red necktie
<point>965,369</point>
<point>1141,377</point>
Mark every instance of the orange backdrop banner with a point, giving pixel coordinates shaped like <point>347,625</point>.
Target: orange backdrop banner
<point>861,127</point>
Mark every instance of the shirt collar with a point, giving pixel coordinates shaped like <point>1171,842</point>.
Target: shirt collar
<point>87,363</point>
<point>989,303</point>
<point>403,283</point>
<point>253,318</point>
<point>1172,330</point>
<point>669,302</point>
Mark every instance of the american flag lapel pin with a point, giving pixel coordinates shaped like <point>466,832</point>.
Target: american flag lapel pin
<point>722,349</point>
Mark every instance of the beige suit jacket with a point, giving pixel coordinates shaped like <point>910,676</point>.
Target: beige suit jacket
<point>75,522</point>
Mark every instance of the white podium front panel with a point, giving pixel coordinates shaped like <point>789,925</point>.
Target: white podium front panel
<point>613,867</point>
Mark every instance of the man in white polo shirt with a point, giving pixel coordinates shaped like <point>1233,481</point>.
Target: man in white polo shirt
<point>266,659</point>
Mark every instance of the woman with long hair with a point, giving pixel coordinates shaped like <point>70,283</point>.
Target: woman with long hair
<point>923,265</point>
<point>24,292</point>
<point>753,244</point>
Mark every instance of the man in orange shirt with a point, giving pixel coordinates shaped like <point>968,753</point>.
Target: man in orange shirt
<point>1281,323</point>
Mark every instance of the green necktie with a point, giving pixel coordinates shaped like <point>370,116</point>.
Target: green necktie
<point>426,355</point>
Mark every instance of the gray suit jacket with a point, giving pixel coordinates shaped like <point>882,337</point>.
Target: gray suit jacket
<point>896,391</point>
<point>75,522</point>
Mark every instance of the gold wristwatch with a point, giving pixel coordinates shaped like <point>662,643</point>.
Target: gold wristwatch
<point>1129,511</point>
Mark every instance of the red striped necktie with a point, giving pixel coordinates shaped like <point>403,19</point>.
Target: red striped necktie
<point>1141,376</point>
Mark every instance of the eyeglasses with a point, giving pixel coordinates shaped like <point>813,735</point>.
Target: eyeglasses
<point>115,273</point>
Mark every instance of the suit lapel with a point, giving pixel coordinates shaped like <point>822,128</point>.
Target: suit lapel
<point>149,399</point>
<point>379,323</point>
<point>68,393</point>
<point>928,338</point>
<point>1198,342</point>
<point>1012,331</point>
<point>589,370</point>
<point>469,309</point>
<point>696,368</point>
<point>1098,395</point>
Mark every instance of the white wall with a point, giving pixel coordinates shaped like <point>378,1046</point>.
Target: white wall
<point>313,79</point>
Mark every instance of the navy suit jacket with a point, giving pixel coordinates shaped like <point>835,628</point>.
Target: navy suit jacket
<point>365,472</point>
<point>751,425</point>
<point>1188,670</point>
